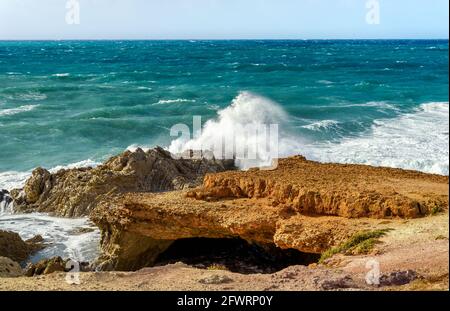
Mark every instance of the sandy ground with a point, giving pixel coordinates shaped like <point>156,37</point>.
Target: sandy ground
<point>421,245</point>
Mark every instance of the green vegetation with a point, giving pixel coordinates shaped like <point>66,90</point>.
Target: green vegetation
<point>216,267</point>
<point>359,243</point>
<point>436,210</point>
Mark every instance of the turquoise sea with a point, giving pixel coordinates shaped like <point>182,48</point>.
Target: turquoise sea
<point>78,102</point>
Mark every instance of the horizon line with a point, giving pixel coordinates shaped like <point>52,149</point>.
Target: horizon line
<point>226,39</point>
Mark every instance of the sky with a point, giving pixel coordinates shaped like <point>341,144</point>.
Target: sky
<point>224,19</point>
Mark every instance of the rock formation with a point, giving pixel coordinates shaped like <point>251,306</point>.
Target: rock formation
<point>351,191</point>
<point>13,247</point>
<point>301,205</point>
<point>55,264</point>
<point>75,192</point>
<point>5,200</point>
<point>9,268</point>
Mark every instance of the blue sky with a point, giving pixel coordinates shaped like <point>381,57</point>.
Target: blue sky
<point>223,19</point>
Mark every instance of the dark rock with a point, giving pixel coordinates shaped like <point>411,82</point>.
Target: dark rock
<point>5,197</point>
<point>340,283</point>
<point>215,279</point>
<point>398,278</point>
<point>13,247</point>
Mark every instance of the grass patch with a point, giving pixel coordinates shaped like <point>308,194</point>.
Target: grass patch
<point>436,210</point>
<point>216,267</point>
<point>359,243</point>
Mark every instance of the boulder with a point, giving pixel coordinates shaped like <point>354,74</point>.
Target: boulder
<point>76,192</point>
<point>9,268</point>
<point>397,278</point>
<point>13,247</point>
<point>51,265</point>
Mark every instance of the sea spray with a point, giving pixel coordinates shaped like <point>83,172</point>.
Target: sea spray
<point>250,129</point>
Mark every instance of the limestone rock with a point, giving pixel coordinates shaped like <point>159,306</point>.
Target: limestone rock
<point>13,247</point>
<point>317,206</point>
<point>338,283</point>
<point>75,192</point>
<point>48,266</point>
<point>9,268</point>
<point>351,191</point>
<point>215,279</point>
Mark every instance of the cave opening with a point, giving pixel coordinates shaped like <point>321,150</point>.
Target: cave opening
<point>233,254</point>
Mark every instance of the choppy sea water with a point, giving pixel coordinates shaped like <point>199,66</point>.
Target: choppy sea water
<point>75,103</point>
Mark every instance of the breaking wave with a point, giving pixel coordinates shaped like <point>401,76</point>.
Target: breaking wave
<point>13,111</point>
<point>13,180</point>
<point>418,140</point>
<point>320,125</point>
<point>236,130</point>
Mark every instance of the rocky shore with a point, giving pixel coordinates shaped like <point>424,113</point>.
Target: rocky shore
<point>155,210</point>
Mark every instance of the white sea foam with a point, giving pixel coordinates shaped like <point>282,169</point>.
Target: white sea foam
<point>172,101</point>
<point>14,180</point>
<point>28,96</point>
<point>134,147</point>
<point>59,233</point>
<point>61,75</point>
<point>321,125</point>
<point>84,163</point>
<point>418,140</point>
<point>13,111</point>
<point>246,109</point>
<point>326,82</point>
<point>381,105</point>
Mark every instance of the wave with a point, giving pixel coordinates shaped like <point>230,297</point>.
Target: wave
<point>172,101</point>
<point>15,180</point>
<point>80,164</point>
<point>383,105</point>
<point>27,96</point>
<point>61,234</point>
<point>61,75</point>
<point>321,125</point>
<point>231,126</point>
<point>13,111</point>
<point>326,82</point>
<point>418,140</point>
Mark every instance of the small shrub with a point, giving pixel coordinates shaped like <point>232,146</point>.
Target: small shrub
<point>216,267</point>
<point>359,243</point>
<point>436,210</point>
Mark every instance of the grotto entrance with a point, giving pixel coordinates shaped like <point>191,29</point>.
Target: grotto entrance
<point>234,254</point>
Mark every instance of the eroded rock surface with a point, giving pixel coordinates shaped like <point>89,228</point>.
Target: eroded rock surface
<point>13,247</point>
<point>351,191</point>
<point>9,268</point>
<point>76,192</point>
<point>302,205</point>
<point>55,264</point>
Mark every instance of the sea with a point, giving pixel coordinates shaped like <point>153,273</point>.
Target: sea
<point>70,104</point>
